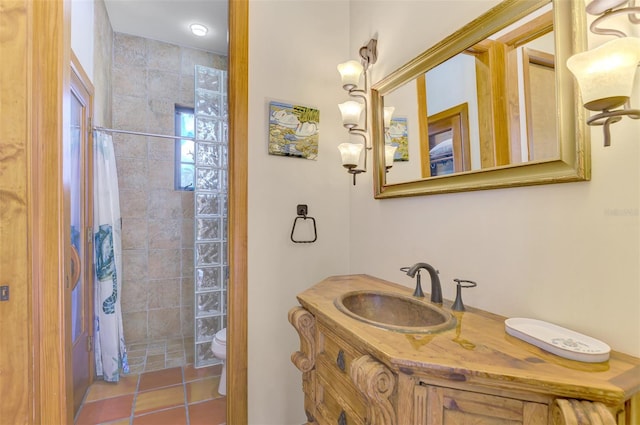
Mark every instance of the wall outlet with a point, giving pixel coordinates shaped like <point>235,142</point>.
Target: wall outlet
<point>4,293</point>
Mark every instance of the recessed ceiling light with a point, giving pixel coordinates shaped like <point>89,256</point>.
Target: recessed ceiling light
<point>198,29</point>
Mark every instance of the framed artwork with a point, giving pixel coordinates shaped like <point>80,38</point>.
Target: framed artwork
<point>397,135</point>
<point>293,130</point>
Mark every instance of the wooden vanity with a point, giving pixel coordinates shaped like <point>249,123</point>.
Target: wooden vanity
<point>475,373</point>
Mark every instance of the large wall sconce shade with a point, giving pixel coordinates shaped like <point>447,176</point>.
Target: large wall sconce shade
<point>351,111</point>
<point>388,114</point>
<point>606,74</point>
<point>389,153</point>
<point>350,72</point>
<point>350,153</point>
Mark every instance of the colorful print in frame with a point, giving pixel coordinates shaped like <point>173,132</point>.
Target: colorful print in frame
<point>397,135</point>
<point>293,130</point>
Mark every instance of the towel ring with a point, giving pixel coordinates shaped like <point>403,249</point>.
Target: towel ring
<point>302,214</point>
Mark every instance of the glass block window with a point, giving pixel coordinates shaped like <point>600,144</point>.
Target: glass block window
<point>185,157</point>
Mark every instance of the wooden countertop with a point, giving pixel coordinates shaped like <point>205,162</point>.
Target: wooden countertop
<point>477,350</point>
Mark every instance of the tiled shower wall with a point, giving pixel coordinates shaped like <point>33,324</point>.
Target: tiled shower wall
<point>149,79</point>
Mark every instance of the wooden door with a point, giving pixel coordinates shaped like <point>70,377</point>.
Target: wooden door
<point>78,171</point>
<point>34,79</point>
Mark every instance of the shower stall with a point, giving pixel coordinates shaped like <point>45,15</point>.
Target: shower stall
<point>174,241</point>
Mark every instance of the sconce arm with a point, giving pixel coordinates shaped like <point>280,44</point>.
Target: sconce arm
<point>362,133</point>
<point>362,94</point>
<point>606,118</point>
<point>359,93</point>
<point>631,11</point>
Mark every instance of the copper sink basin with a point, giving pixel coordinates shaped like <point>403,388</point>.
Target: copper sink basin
<point>396,312</point>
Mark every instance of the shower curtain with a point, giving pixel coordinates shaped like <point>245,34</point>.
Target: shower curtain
<point>110,349</point>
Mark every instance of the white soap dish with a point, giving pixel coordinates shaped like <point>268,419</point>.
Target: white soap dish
<point>558,340</point>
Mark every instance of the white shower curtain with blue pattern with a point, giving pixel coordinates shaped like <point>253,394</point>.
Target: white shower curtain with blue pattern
<point>110,349</point>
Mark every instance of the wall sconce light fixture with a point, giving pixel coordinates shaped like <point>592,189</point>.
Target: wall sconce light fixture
<point>350,73</point>
<point>388,114</point>
<point>605,74</point>
<point>389,153</point>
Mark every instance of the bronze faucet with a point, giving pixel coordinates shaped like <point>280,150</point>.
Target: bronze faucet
<point>436,289</point>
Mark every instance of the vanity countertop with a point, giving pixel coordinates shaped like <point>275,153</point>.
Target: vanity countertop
<point>477,350</point>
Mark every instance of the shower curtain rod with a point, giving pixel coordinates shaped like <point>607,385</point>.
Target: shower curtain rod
<point>111,130</point>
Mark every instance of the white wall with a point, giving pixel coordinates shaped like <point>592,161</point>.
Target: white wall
<point>294,48</point>
<point>453,83</point>
<point>82,33</point>
<point>565,253</point>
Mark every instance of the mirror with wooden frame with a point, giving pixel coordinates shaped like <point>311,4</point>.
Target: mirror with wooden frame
<point>492,105</point>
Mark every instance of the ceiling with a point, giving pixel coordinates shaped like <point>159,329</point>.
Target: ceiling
<point>169,20</point>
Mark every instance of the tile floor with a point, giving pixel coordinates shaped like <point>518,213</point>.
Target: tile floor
<point>179,395</point>
<point>159,354</point>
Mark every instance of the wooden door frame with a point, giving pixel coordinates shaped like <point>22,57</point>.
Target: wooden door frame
<point>48,49</point>
<point>237,406</point>
<point>81,85</point>
<point>455,119</point>
<point>48,59</point>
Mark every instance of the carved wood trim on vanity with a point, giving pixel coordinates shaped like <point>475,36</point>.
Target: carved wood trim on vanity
<point>357,374</point>
<point>377,384</point>
<point>581,412</point>
<point>305,358</point>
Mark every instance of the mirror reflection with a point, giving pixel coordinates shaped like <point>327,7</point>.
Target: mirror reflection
<point>492,105</point>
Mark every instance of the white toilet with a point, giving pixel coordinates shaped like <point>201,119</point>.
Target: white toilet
<point>219,349</point>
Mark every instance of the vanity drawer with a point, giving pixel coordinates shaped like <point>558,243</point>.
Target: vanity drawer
<point>333,364</point>
<point>332,408</point>
<point>336,352</point>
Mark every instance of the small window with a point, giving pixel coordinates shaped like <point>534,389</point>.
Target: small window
<point>185,158</point>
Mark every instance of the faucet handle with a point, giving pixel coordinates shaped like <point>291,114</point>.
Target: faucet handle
<point>461,283</point>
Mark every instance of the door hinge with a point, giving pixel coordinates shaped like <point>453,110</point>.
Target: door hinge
<point>89,343</point>
<point>89,121</point>
<point>89,235</point>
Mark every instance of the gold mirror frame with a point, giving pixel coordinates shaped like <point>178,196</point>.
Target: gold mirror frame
<point>574,163</point>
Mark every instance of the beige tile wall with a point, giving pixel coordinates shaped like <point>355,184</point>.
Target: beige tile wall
<point>148,79</point>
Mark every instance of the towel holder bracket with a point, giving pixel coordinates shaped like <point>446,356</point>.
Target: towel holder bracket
<point>301,211</point>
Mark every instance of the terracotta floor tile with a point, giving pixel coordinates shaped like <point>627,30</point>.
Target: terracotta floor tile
<point>126,421</point>
<point>100,390</point>
<point>203,389</point>
<point>191,373</point>
<point>110,409</point>
<point>159,400</point>
<point>177,416</point>
<point>163,398</point>
<point>213,412</point>
<point>160,378</point>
